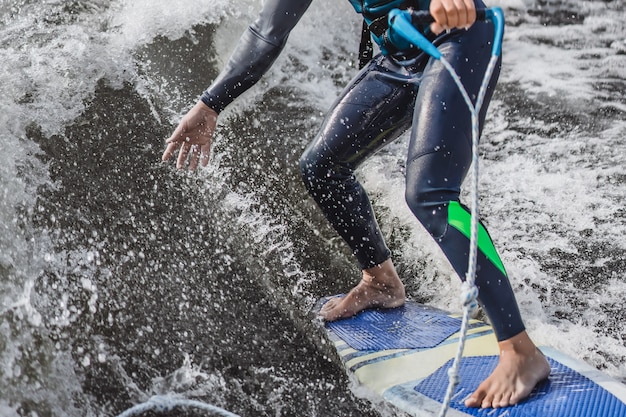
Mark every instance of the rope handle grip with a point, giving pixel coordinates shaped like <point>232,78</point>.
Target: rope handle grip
<point>402,24</point>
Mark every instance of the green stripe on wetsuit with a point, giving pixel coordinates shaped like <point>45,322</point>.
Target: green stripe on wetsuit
<point>461,220</point>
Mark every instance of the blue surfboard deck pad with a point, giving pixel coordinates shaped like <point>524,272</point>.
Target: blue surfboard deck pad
<point>403,355</point>
<point>565,393</point>
<point>411,326</point>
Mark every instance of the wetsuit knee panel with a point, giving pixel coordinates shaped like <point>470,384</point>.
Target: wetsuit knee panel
<point>432,215</point>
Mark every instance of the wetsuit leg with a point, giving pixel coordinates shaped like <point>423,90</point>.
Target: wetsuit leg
<point>438,160</point>
<point>374,109</point>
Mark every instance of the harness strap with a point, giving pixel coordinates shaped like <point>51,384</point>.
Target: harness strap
<point>378,27</point>
<point>366,49</point>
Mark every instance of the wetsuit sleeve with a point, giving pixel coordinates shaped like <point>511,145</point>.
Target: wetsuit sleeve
<point>256,51</point>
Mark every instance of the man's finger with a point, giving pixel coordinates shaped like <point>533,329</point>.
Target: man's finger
<point>439,13</point>
<point>462,17</point>
<point>452,15</point>
<point>436,28</point>
<point>205,152</point>
<point>471,12</point>
<point>195,156</point>
<point>182,155</point>
<point>169,151</point>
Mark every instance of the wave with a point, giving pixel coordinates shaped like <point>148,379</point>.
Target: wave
<point>121,278</point>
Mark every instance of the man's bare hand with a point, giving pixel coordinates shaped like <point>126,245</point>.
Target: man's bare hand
<point>450,14</point>
<point>193,136</point>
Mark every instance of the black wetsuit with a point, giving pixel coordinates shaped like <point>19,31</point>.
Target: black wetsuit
<point>386,98</point>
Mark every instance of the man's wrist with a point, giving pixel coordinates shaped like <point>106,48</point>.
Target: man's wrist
<point>212,102</point>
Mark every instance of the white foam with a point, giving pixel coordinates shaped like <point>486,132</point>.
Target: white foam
<point>139,22</point>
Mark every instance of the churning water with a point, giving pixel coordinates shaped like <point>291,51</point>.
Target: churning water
<point>121,278</point>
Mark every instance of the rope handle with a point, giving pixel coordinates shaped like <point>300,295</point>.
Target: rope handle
<point>402,26</point>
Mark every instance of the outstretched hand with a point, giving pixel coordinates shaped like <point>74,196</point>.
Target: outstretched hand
<point>193,136</point>
<point>450,14</point>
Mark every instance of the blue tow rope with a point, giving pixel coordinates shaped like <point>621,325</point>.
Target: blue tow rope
<point>402,27</point>
<point>402,30</point>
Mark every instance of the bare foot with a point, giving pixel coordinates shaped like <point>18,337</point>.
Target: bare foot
<point>520,368</point>
<point>379,287</point>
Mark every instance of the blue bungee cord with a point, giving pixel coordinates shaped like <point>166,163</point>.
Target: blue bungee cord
<point>402,30</point>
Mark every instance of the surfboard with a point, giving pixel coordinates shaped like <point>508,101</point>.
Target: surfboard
<point>403,355</point>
